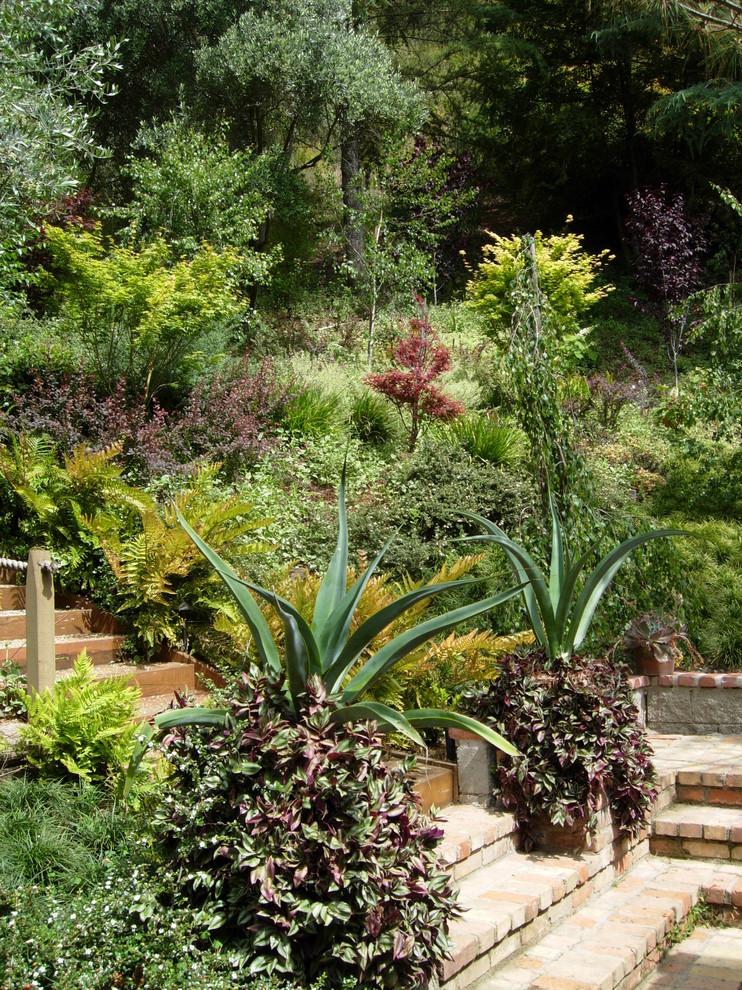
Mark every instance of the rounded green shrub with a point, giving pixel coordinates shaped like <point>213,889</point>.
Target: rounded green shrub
<point>372,420</point>
<point>298,846</point>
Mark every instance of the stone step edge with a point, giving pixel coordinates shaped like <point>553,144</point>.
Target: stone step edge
<point>501,922</point>
<point>691,831</point>
<point>475,837</point>
<point>621,953</point>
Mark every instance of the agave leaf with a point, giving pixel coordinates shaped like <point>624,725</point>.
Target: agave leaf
<point>376,623</point>
<point>295,649</point>
<point>407,641</point>
<point>342,616</point>
<point>248,606</point>
<point>599,580</point>
<point>192,716</point>
<point>536,592</point>
<point>386,717</point>
<point>332,589</point>
<point>284,608</point>
<point>436,718</point>
<point>568,589</point>
<point>557,569</point>
<point>525,570</point>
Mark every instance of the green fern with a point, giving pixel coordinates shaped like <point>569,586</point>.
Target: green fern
<point>84,727</point>
<point>160,566</point>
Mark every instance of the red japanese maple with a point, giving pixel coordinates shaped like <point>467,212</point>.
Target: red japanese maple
<point>417,360</point>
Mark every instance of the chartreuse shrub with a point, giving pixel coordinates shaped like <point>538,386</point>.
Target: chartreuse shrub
<point>83,727</point>
<point>567,273</point>
<point>577,733</point>
<point>299,848</point>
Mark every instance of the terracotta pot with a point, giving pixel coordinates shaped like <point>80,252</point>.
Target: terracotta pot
<point>647,663</point>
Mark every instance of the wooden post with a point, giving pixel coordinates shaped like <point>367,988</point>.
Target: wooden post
<point>40,660</point>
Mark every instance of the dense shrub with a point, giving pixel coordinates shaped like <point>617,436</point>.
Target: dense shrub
<point>704,481</point>
<point>712,600</point>
<point>231,417</point>
<point>103,939</point>
<point>420,502</point>
<point>68,409</point>
<point>301,849</point>
<point>577,733</point>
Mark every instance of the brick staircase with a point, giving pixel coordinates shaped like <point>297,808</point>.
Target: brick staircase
<point>79,626</point>
<point>599,918</point>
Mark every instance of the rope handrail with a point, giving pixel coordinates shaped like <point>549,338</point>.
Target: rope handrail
<point>22,565</point>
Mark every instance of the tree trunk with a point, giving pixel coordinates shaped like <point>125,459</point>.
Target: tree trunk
<point>350,171</point>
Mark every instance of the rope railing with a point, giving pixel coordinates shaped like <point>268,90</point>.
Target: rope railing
<point>52,566</point>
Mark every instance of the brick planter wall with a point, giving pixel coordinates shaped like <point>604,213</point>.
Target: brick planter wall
<point>689,703</point>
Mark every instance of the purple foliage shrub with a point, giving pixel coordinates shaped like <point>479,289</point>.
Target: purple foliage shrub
<point>232,417</point>
<point>301,848</point>
<point>229,418</point>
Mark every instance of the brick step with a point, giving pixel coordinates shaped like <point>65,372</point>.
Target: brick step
<point>12,596</point>
<point>697,831</point>
<point>710,786</point>
<point>434,784</point>
<point>710,958</point>
<point>513,901</point>
<point>475,837</point>
<point>153,679</point>
<point>67,622</point>
<point>617,938</point>
<point>102,648</point>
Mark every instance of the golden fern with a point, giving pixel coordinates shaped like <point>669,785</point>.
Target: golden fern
<point>462,657</point>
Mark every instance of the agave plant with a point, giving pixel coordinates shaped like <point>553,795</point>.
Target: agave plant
<point>560,618</point>
<point>325,649</point>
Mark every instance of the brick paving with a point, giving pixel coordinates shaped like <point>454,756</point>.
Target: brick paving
<point>709,959</point>
<point>595,920</point>
<point>615,938</point>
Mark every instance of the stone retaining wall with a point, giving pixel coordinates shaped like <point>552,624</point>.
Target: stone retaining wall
<point>690,703</point>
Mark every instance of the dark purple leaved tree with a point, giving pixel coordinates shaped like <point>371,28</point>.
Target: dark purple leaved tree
<point>669,245</point>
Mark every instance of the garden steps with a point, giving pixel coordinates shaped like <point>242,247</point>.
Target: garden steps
<point>67,622</point>
<point>695,830</point>
<point>616,938</point>
<point>513,899</point>
<point>101,648</point>
<point>154,679</point>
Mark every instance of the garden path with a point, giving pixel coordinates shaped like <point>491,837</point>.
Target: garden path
<point>709,959</point>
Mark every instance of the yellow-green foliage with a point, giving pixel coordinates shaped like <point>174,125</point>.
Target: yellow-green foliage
<point>567,276</point>
<point>459,658</point>
<point>160,565</point>
<point>84,727</point>
<point>50,502</point>
<point>138,312</point>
